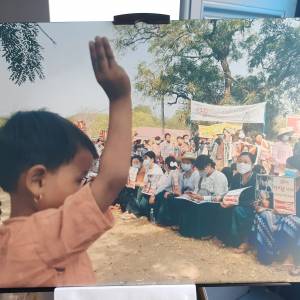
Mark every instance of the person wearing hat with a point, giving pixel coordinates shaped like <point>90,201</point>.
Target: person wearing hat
<point>277,236</point>
<point>281,150</point>
<point>189,178</point>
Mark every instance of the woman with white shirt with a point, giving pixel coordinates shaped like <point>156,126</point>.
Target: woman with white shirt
<point>152,177</point>
<point>198,219</point>
<point>168,188</point>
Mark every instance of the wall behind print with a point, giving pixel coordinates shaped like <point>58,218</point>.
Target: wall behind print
<point>24,11</point>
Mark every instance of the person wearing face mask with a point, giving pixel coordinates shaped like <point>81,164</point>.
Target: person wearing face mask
<point>277,236</point>
<point>168,188</point>
<point>167,147</point>
<point>198,219</point>
<point>235,221</point>
<point>146,196</point>
<point>127,196</point>
<point>155,147</point>
<point>281,150</point>
<point>189,177</point>
<point>189,180</point>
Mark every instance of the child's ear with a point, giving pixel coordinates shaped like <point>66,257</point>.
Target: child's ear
<point>35,179</point>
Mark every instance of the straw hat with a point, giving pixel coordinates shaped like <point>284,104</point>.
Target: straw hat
<point>286,130</point>
<point>189,155</point>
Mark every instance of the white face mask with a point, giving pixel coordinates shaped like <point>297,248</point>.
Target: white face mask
<point>202,174</point>
<point>243,168</point>
<point>285,138</point>
<point>146,163</point>
<point>138,165</point>
<point>186,167</point>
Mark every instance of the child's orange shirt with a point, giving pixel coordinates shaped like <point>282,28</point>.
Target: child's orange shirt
<point>49,247</point>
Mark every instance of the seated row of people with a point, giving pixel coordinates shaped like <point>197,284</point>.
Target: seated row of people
<point>189,195</point>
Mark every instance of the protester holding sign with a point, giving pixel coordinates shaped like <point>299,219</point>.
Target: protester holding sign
<point>278,235</point>
<point>235,221</point>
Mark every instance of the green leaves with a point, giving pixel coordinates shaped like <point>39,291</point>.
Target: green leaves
<point>22,52</point>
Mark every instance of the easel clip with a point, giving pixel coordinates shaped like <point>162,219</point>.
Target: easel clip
<point>149,18</point>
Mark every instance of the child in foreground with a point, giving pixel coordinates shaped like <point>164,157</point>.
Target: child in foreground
<point>43,159</point>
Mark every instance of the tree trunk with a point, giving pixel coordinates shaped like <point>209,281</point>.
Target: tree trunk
<point>162,101</point>
<point>228,81</point>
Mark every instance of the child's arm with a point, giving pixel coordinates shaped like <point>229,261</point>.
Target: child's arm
<point>115,160</point>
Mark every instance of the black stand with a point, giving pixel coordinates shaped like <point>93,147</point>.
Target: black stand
<point>131,19</point>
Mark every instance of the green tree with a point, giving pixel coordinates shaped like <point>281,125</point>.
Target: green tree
<point>21,51</point>
<point>2,121</point>
<point>192,58</point>
<point>178,120</point>
<point>144,117</point>
<point>193,62</point>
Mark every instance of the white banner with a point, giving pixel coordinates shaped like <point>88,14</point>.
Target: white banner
<point>224,113</point>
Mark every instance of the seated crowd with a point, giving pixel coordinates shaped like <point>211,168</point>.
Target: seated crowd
<point>162,189</point>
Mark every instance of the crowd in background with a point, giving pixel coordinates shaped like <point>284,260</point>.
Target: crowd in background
<point>179,182</point>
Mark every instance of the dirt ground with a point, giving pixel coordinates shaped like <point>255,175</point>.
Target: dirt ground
<point>137,252</point>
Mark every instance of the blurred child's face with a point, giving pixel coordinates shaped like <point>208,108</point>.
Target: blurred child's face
<point>56,186</point>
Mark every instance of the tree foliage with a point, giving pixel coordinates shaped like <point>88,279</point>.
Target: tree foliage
<point>193,61</point>
<point>21,51</point>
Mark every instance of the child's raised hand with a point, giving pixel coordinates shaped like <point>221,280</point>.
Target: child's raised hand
<point>112,77</point>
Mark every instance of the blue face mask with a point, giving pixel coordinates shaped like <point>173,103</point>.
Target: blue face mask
<point>291,173</point>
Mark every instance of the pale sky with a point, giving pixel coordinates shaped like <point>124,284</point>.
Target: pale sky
<point>70,86</point>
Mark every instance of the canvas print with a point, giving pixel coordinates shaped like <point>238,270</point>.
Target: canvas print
<point>149,153</point>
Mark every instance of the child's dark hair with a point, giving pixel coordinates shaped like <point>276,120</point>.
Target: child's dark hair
<point>150,154</point>
<point>202,161</point>
<point>36,137</point>
<point>171,162</point>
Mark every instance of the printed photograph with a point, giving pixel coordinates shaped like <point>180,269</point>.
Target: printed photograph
<point>149,153</point>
